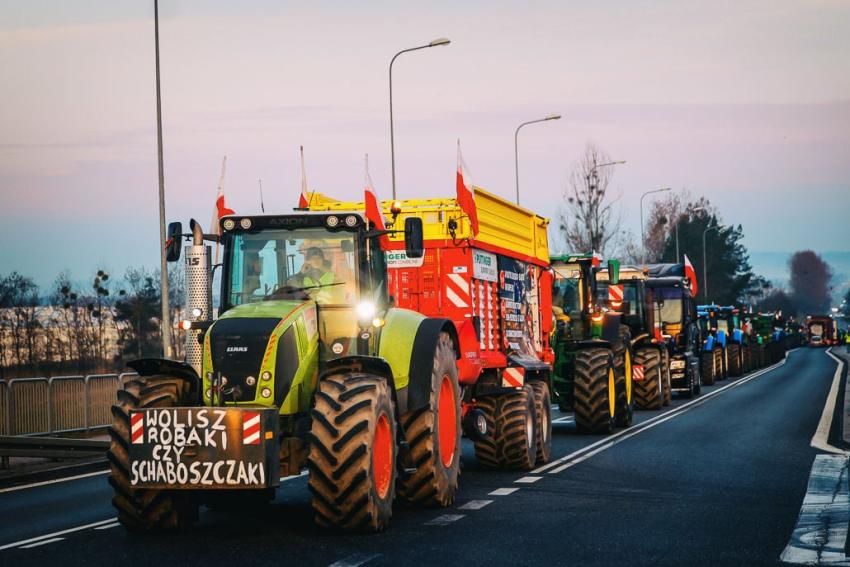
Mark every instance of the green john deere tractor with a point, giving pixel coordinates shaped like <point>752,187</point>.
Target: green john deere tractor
<point>308,365</point>
<point>592,374</point>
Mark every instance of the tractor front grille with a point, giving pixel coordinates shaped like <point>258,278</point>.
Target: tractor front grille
<point>237,348</point>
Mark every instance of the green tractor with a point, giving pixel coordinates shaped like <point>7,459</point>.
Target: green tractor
<point>593,361</point>
<point>308,365</point>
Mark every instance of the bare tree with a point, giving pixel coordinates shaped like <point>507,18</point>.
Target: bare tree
<point>587,219</point>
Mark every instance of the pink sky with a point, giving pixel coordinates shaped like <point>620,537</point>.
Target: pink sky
<point>747,103</point>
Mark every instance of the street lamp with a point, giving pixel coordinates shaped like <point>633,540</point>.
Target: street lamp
<point>435,43</point>
<point>516,150</point>
<point>642,235</point>
<point>694,210</point>
<point>165,322</point>
<point>704,267</point>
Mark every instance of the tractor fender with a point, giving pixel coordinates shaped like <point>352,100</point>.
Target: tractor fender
<point>422,359</point>
<point>594,343</point>
<point>639,340</point>
<point>721,338</point>
<point>708,346</point>
<point>356,363</point>
<point>152,366</point>
<point>738,336</point>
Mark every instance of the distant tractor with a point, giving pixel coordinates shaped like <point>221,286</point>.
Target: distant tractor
<point>676,320</point>
<point>308,365</point>
<point>634,301</point>
<point>593,358</point>
<point>713,330</point>
<point>769,329</point>
<point>821,330</point>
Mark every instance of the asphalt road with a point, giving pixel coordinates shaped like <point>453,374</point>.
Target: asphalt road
<point>715,480</point>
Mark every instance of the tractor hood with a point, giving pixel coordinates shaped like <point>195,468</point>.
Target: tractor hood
<point>242,344</point>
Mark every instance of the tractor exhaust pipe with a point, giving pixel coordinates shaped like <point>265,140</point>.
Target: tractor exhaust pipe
<point>198,293</point>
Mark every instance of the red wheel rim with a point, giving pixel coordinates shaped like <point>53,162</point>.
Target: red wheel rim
<point>447,424</point>
<point>382,456</point>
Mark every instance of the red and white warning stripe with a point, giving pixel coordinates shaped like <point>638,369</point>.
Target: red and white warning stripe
<point>637,372</point>
<point>615,293</point>
<point>137,428</point>
<point>457,290</point>
<point>513,377</point>
<point>250,428</point>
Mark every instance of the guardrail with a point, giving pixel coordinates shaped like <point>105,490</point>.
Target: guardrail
<point>40,406</point>
<point>51,447</point>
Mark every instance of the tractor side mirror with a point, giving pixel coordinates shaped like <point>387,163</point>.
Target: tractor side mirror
<point>414,245</point>
<point>172,246</point>
<point>614,271</point>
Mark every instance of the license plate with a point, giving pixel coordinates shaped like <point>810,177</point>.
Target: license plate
<point>204,448</point>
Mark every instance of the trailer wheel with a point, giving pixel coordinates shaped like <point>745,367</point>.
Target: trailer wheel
<point>543,412</point>
<point>352,460</point>
<point>595,390</point>
<point>433,433</point>
<point>486,449</point>
<point>147,509</point>
<point>734,359</point>
<point>707,370</point>
<point>649,393</point>
<point>516,427</point>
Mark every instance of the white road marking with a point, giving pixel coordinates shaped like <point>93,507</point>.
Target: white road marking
<point>528,479</point>
<point>502,491</point>
<point>444,520</point>
<point>46,482</point>
<point>566,419</point>
<point>820,440</point>
<point>475,504</point>
<point>354,560</point>
<point>54,534</point>
<point>821,530</point>
<point>108,526</point>
<point>45,542</point>
<point>611,440</point>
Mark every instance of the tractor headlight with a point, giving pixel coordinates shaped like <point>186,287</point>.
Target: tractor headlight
<point>229,224</point>
<point>366,310</point>
<point>332,221</point>
<point>197,312</point>
<point>250,380</point>
<point>351,220</point>
<point>677,364</point>
<point>266,393</point>
<point>266,375</point>
<point>245,223</point>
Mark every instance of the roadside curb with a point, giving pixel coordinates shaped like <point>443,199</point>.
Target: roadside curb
<point>16,478</point>
<point>845,413</point>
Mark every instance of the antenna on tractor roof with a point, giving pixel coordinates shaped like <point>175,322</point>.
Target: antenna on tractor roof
<point>262,206</point>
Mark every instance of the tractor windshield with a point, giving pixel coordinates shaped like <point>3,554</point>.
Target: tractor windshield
<point>669,301</point>
<point>723,325</point>
<point>567,291</point>
<point>291,264</point>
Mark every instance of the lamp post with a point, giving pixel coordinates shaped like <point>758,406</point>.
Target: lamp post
<point>704,266</point>
<point>516,145</point>
<point>642,235</point>
<point>435,43</point>
<point>165,323</point>
<point>694,210</point>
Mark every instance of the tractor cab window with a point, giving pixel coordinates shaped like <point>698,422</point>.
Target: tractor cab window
<point>723,325</point>
<point>670,310</point>
<point>567,291</point>
<point>293,264</point>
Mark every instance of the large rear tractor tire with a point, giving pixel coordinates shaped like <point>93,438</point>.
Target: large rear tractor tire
<point>151,509</point>
<point>595,391</point>
<point>352,460</point>
<point>707,368</point>
<point>665,377</point>
<point>720,373</point>
<point>625,392</point>
<point>433,433</point>
<point>649,392</point>
<point>734,359</point>
<point>543,413</point>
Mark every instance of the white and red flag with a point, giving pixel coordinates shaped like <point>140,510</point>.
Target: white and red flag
<point>221,209</point>
<point>466,192</point>
<point>304,199</point>
<point>373,208</point>
<point>691,274</point>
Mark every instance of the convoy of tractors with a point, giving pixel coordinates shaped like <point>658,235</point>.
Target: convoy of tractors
<point>362,353</point>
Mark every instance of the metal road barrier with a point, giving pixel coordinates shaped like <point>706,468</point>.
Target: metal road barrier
<point>39,406</point>
<point>51,447</point>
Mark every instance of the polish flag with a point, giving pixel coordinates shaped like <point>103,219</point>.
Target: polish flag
<point>466,192</point>
<point>691,275</point>
<point>221,209</point>
<point>373,210</point>
<point>304,199</point>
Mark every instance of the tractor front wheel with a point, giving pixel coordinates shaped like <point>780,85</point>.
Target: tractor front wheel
<point>734,359</point>
<point>707,370</point>
<point>352,460</point>
<point>649,392</point>
<point>595,391</point>
<point>147,509</point>
<point>543,412</point>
